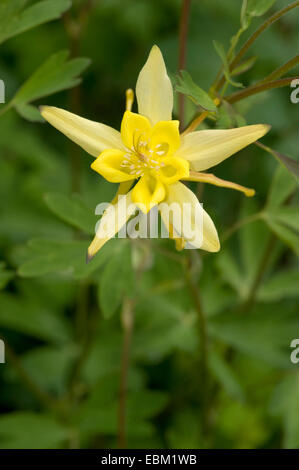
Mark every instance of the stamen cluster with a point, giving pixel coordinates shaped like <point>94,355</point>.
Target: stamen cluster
<point>141,158</point>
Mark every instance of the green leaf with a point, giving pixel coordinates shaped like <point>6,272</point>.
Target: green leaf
<point>222,54</point>
<point>186,85</point>
<point>184,431</point>
<point>164,326</point>
<point>5,275</point>
<point>254,8</point>
<point>225,375</point>
<point>72,210</point>
<point>279,286</point>
<point>285,234</point>
<point>291,165</point>
<point>244,18</point>
<point>244,66</point>
<point>117,279</point>
<point>231,272</point>
<point>14,19</point>
<point>224,118</point>
<point>99,412</point>
<point>29,112</point>
<point>281,188</point>
<point>287,215</point>
<point>56,74</point>
<point>31,318</point>
<point>258,7</point>
<point>64,257</point>
<point>24,430</point>
<point>264,334</point>
<point>254,238</point>
<point>244,424</point>
<point>285,403</point>
<point>103,358</point>
<point>49,366</point>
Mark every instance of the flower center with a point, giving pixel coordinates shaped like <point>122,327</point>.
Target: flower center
<point>142,158</point>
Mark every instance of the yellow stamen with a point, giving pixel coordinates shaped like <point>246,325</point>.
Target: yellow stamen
<point>212,179</point>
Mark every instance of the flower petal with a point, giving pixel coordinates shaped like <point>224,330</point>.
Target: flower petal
<point>190,221</point>
<point>173,169</point>
<point>113,219</point>
<point>134,127</point>
<point>207,148</point>
<point>91,136</point>
<point>165,136</point>
<point>109,165</point>
<point>148,192</point>
<point>154,90</point>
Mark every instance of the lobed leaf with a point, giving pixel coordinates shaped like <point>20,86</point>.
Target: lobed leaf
<point>14,19</point>
<point>72,210</point>
<point>57,73</point>
<point>186,85</point>
<point>28,430</point>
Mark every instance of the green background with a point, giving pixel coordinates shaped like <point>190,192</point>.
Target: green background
<point>60,319</point>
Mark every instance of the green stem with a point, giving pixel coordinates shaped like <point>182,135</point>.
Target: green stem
<point>127,320</point>
<point>258,88</point>
<point>280,71</point>
<point>183,34</point>
<point>75,29</point>
<point>254,37</point>
<point>85,329</point>
<point>239,224</point>
<point>5,108</point>
<point>203,342</point>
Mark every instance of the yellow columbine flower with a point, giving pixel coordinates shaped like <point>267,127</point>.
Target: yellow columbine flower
<point>150,151</point>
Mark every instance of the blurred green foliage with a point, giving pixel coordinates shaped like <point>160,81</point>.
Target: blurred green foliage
<point>60,318</point>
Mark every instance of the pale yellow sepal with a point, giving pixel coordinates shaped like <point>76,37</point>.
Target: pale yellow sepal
<point>206,148</point>
<point>91,136</point>
<point>154,90</point>
<point>113,219</point>
<point>186,200</point>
